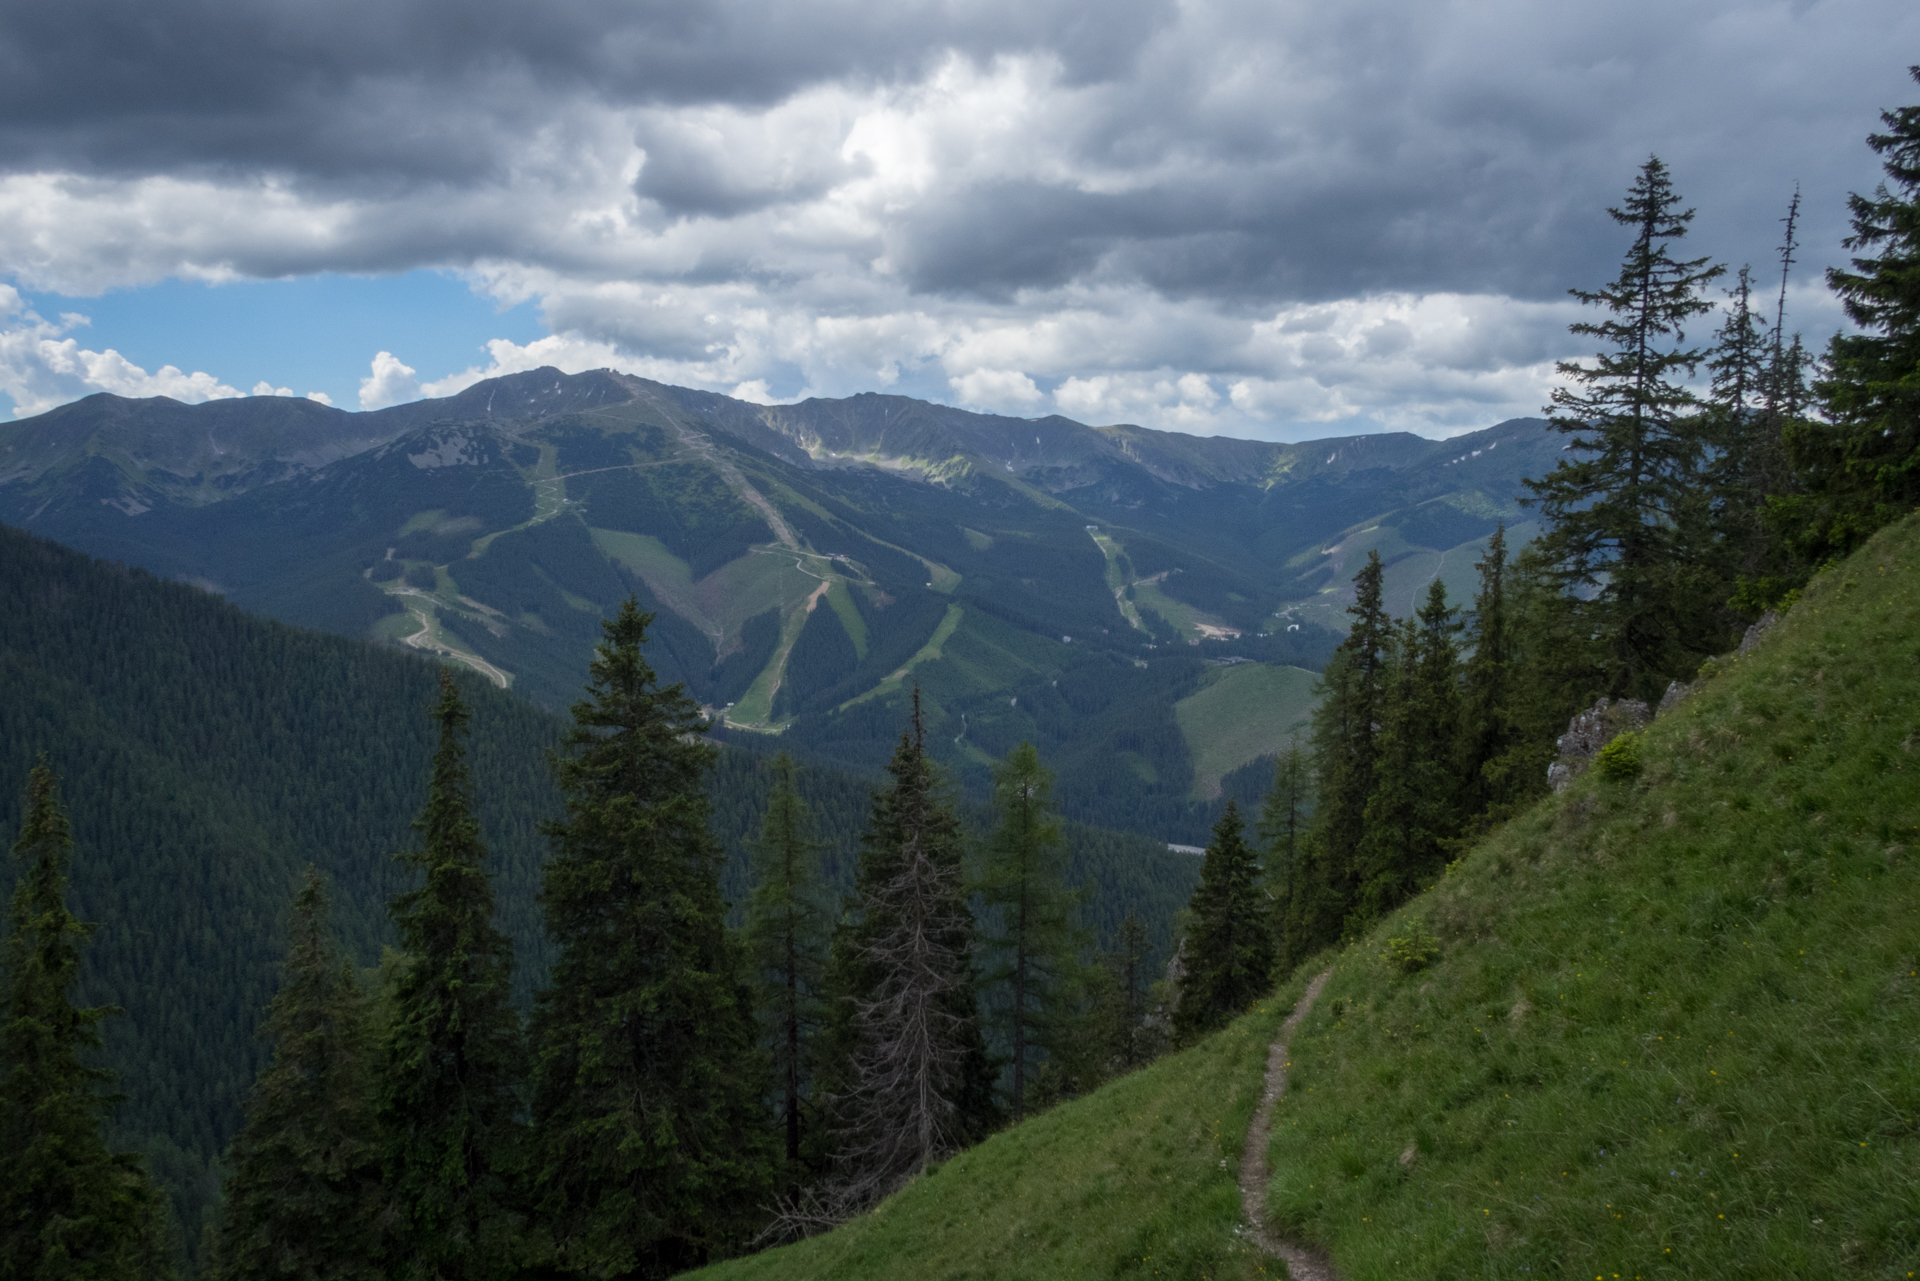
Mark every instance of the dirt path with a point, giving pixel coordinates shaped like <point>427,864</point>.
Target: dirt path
<point>1303,1264</point>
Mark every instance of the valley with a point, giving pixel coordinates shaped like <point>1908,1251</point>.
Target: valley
<point>1039,578</point>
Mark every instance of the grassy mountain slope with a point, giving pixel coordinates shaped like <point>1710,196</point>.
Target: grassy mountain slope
<point>1674,1025</point>
<point>1137,1180</point>
<point>1670,1027</point>
<point>1241,713</point>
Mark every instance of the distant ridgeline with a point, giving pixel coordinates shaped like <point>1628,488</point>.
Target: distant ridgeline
<point>208,756</point>
<point>1039,579</point>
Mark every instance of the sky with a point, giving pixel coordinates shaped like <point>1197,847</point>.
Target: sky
<point>1281,219</point>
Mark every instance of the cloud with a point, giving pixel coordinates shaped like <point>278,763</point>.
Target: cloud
<point>390,383</point>
<point>41,367</point>
<point>1365,213</point>
<point>1004,390</point>
<point>322,397</point>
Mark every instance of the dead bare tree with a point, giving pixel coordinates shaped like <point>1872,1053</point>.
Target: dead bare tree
<point>901,1110</point>
<point>912,1027</point>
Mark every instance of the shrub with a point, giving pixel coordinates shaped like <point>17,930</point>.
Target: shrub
<point>1619,761</point>
<point>1416,951</point>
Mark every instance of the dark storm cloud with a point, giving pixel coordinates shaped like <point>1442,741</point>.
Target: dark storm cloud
<point>429,90</point>
<point>1175,211</point>
<point>1239,151</point>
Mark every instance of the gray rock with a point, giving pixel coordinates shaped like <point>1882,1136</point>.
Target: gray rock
<point>1767,620</point>
<point>1676,691</point>
<point>1590,731</point>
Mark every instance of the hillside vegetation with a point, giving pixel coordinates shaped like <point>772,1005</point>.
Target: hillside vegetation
<point>1136,1180</point>
<point>1043,581</point>
<point>1673,1023</point>
<point>207,756</point>
<point>1665,1023</point>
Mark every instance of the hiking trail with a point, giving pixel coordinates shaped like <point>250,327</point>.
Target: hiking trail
<point>1303,1264</point>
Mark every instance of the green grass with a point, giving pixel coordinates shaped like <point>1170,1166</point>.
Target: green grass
<point>1191,623</point>
<point>981,654</point>
<point>925,654</point>
<point>1674,1026</point>
<point>754,710</point>
<point>1135,1181</point>
<point>1242,712</point>
<point>422,520</point>
<point>841,599</point>
<point>1117,580</point>
<point>768,577</point>
<point>666,575</point>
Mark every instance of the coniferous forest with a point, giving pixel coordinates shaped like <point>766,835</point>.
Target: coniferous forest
<point>402,977</point>
<point>1681,516</point>
<point>207,760</point>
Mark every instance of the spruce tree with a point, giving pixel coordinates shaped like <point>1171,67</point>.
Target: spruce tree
<point>1345,759</point>
<point>1861,469</point>
<point>787,925</point>
<point>1627,510</point>
<point>652,1145</point>
<point>915,1081</point>
<point>1284,818</point>
<point>1229,945</point>
<point>70,1209</point>
<point>1738,360</point>
<point>1489,725</point>
<point>448,1104</point>
<point>1128,1042</point>
<point>1414,807</point>
<point>1037,944</point>
<point>303,1193</point>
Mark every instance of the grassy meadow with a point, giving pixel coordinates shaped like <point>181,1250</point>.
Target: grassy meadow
<point>1134,1181</point>
<point>1674,1024</point>
<point>1665,1024</point>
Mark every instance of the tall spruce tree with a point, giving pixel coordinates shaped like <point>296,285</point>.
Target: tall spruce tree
<point>916,1081</point>
<point>1861,468</point>
<point>1229,944</point>
<point>70,1209</point>
<point>1489,724</point>
<point>1759,389</point>
<point>452,1140</point>
<point>303,1194</point>
<point>787,926</point>
<point>1037,945</point>
<point>1345,759</point>
<point>1414,809</point>
<point>1127,1041</point>
<point>1626,512</point>
<point>652,1146</point>
<point>1285,816</point>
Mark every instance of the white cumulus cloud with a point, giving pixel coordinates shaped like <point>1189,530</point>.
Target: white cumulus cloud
<point>42,366</point>
<point>390,383</point>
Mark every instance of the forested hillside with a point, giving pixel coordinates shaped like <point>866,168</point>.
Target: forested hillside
<point>208,756</point>
<point>1039,580</point>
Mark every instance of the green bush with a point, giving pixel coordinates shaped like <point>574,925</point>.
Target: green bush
<point>1416,951</point>
<point>423,578</point>
<point>1619,761</point>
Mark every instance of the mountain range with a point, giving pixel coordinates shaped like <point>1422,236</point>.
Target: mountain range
<point>1147,607</point>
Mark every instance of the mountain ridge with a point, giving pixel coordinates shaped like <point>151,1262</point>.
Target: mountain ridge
<point>1039,579</point>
